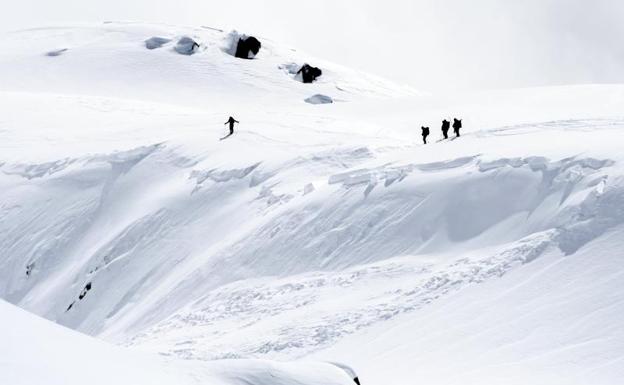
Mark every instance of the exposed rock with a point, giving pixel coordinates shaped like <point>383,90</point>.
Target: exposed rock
<point>319,99</point>
<point>186,46</point>
<point>156,42</point>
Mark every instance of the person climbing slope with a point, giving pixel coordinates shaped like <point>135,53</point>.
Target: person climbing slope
<point>446,125</point>
<point>456,126</point>
<point>425,134</point>
<point>231,121</point>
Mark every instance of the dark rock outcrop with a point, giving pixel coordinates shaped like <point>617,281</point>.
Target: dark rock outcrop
<point>309,73</point>
<point>247,47</point>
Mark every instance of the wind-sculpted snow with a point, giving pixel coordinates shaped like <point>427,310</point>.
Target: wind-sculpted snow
<point>30,171</point>
<point>313,231</point>
<point>399,285</point>
<point>136,237</point>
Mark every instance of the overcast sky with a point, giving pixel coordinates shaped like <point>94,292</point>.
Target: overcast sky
<point>429,44</point>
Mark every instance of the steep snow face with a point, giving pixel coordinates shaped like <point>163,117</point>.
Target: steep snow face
<point>556,320</point>
<point>36,351</point>
<point>124,216</point>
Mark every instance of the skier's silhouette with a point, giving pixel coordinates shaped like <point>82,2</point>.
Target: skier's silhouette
<point>446,125</point>
<point>456,126</point>
<point>425,133</point>
<point>231,121</point>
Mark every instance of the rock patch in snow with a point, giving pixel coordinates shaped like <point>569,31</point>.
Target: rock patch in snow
<point>242,46</point>
<point>303,73</point>
<point>308,74</point>
<point>319,99</point>
<point>186,46</point>
<point>156,42</point>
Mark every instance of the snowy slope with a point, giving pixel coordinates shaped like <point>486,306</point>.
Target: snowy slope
<point>557,320</point>
<point>315,227</point>
<point>36,351</point>
<point>112,60</point>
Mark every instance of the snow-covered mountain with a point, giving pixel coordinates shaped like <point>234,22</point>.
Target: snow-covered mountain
<point>316,231</point>
<point>36,351</point>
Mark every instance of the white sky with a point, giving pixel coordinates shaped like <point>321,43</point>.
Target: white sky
<point>429,44</point>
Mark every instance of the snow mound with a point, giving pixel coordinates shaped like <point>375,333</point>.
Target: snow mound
<point>319,99</point>
<point>156,42</point>
<point>186,46</point>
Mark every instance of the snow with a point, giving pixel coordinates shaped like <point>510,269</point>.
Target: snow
<point>555,321</point>
<point>327,233</point>
<point>36,351</point>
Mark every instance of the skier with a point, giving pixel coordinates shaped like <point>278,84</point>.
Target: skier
<point>456,126</point>
<point>231,121</point>
<point>425,133</point>
<point>446,125</point>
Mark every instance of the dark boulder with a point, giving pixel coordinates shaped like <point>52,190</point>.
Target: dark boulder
<point>309,73</point>
<point>247,47</point>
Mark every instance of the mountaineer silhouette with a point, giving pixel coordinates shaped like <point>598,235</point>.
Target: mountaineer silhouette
<point>457,125</point>
<point>425,133</point>
<point>446,125</point>
<point>231,122</point>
